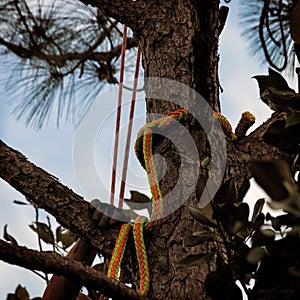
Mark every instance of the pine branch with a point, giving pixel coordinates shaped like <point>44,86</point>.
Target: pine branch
<point>44,190</point>
<point>54,263</point>
<point>60,59</point>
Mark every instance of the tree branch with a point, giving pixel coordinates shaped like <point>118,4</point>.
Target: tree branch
<point>124,11</point>
<point>254,144</point>
<point>44,190</point>
<point>54,263</point>
<point>61,59</point>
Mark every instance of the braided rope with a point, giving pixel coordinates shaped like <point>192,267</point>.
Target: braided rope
<point>141,255</point>
<point>246,121</point>
<point>225,126</point>
<point>144,145</point>
<point>157,207</point>
<point>118,252</point>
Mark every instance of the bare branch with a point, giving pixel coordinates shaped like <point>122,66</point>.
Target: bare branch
<point>54,263</point>
<point>44,190</point>
<point>253,143</point>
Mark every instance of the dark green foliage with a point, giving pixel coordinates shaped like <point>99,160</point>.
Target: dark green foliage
<point>263,249</point>
<point>139,201</point>
<point>220,284</point>
<point>44,232</point>
<point>20,294</point>
<point>276,93</point>
<point>269,255</point>
<point>199,215</point>
<point>65,237</point>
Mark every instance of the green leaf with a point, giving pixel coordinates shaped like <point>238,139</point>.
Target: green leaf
<point>259,221</point>
<point>138,197</point>
<point>197,238</point>
<point>257,209</point>
<point>226,193</point>
<point>255,255</point>
<point>237,226</point>
<point>295,231</point>
<point>65,236</point>
<point>233,216</point>
<point>268,232</point>
<point>12,297</point>
<point>292,120</point>
<point>195,259</point>
<point>100,267</point>
<point>296,163</point>
<point>199,216</point>
<point>9,237</point>
<point>290,205</point>
<point>22,293</point>
<point>44,232</point>
<point>271,175</point>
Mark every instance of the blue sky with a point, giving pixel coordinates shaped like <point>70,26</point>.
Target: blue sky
<point>52,148</point>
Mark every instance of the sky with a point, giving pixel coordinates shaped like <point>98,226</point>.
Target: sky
<point>53,149</point>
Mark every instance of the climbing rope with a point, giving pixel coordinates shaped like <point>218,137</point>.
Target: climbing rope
<point>129,129</point>
<point>141,254</point>
<point>246,121</point>
<point>144,145</point>
<point>118,119</point>
<point>118,252</point>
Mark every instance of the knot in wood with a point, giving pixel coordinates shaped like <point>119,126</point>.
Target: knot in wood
<point>27,169</point>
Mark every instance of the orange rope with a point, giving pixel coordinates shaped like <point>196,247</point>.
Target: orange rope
<point>116,146</point>
<point>129,129</point>
<point>141,254</point>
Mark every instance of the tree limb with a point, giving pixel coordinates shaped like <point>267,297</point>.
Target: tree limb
<point>53,263</point>
<point>254,145</point>
<point>255,138</point>
<point>44,190</point>
<point>62,58</point>
<point>124,11</point>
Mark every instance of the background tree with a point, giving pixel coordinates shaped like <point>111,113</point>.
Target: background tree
<point>184,36</point>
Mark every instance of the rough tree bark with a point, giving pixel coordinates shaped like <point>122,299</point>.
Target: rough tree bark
<point>179,41</point>
<point>52,262</point>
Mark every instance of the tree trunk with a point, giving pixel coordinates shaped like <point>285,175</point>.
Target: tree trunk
<point>179,41</point>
